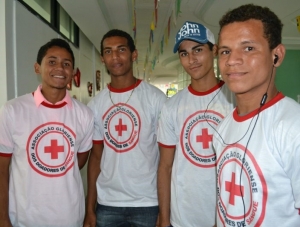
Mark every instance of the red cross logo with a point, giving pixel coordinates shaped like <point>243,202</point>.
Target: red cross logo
<point>120,128</point>
<point>233,189</point>
<point>53,149</point>
<point>205,138</point>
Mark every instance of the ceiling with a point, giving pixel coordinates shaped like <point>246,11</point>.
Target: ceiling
<point>156,62</point>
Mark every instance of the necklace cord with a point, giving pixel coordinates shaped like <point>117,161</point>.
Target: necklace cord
<point>109,92</point>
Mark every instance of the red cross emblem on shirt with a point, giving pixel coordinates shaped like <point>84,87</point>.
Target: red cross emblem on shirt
<point>233,189</point>
<point>54,149</point>
<point>205,138</point>
<point>120,128</point>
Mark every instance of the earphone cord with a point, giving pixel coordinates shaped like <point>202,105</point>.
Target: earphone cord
<point>243,161</point>
<point>228,144</point>
<point>262,102</point>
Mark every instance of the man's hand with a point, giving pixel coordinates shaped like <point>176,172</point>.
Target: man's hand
<point>164,184</point>
<point>4,185</point>
<point>157,221</point>
<point>89,220</point>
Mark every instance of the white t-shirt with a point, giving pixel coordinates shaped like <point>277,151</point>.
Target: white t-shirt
<point>265,187</point>
<point>130,155</point>
<point>45,186</point>
<point>183,125</point>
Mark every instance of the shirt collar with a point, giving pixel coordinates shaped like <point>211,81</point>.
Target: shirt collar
<point>40,99</point>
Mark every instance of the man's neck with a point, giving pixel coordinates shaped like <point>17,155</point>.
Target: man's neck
<point>205,83</point>
<point>53,95</point>
<point>120,82</point>
<point>247,103</point>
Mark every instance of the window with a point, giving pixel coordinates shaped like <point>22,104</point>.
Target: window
<point>66,25</point>
<point>42,7</point>
<point>55,16</point>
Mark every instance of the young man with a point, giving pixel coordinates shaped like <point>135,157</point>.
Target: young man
<point>45,137</point>
<point>258,144</point>
<point>187,174</point>
<point>122,168</point>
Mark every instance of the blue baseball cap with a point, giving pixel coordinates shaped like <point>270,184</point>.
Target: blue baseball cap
<point>195,32</point>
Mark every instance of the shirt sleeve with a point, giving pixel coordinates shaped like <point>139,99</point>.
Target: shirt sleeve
<point>6,127</point>
<point>158,107</point>
<point>287,144</point>
<point>291,159</point>
<point>98,125</point>
<point>166,130</point>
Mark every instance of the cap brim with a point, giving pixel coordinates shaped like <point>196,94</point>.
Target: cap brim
<point>176,47</point>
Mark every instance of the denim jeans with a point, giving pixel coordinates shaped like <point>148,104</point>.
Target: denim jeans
<point>108,216</point>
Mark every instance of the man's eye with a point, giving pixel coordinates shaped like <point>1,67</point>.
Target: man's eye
<point>198,50</point>
<point>183,54</point>
<point>107,52</point>
<point>249,48</point>
<point>224,52</point>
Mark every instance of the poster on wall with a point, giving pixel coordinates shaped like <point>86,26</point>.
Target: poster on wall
<point>90,88</point>
<point>77,77</point>
<point>98,80</point>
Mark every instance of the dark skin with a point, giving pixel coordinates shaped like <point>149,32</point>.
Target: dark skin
<point>56,71</point>
<point>4,182</point>
<point>118,60</point>
<point>197,61</point>
<point>247,63</point>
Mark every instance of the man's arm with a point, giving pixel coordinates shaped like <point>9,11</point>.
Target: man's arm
<point>82,158</point>
<point>4,182</point>
<point>164,184</point>
<point>93,173</point>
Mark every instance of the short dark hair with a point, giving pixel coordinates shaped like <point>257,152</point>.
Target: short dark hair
<point>210,45</point>
<point>120,33</point>
<point>54,43</point>
<point>272,25</point>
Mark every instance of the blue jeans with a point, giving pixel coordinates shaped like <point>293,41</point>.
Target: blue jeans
<point>108,216</point>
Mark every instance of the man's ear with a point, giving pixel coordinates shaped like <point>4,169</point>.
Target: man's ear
<point>37,68</point>
<point>279,51</point>
<point>102,60</point>
<point>134,55</point>
<point>215,50</point>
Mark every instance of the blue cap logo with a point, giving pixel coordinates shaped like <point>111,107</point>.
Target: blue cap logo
<point>193,31</point>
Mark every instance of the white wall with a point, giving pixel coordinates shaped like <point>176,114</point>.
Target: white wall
<point>3,87</point>
<point>25,34</point>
